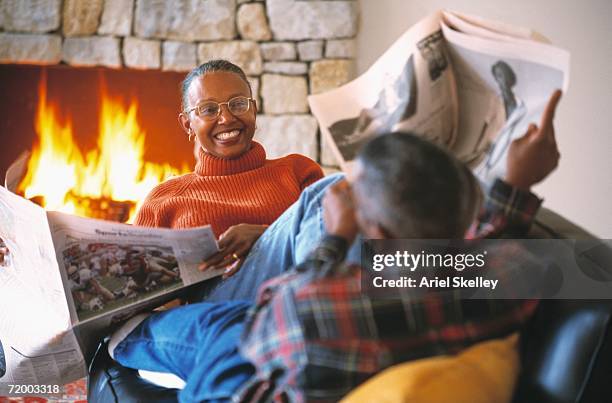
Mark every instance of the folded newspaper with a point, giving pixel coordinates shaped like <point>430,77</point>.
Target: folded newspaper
<point>67,279</point>
<point>469,84</point>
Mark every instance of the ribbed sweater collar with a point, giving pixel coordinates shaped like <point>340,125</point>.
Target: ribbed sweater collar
<point>209,165</point>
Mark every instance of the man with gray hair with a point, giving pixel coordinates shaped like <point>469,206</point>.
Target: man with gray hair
<point>313,333</point>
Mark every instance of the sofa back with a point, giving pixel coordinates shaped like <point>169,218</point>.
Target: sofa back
<point>566,353</point>
<point>566,349</point>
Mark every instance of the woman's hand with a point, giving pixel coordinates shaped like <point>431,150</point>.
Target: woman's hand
<point>234,245</point>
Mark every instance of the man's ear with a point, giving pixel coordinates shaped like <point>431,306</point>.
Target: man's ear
<point>184,122</point>
<point>255,106</point>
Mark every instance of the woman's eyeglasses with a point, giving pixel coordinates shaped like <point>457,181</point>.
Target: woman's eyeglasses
<point>210,110</point>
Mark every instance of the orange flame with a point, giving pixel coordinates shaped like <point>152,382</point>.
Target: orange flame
<point>59,173</point>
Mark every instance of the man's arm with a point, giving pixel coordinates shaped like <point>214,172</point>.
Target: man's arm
<point>328,257</point>
<point>341,228</point>
<point>507,211</point>
<point>510,207</point>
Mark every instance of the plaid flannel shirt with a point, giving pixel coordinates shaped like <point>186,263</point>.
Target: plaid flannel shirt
<point>313,335</point>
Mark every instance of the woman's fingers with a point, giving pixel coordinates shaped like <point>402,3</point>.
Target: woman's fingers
<point>213,260</point>
<point>233,268</point>
<point>227,238</point>
<point>227,246</point>
<point>227,260</point>
<point>231,262</point>
<point>234,245</point>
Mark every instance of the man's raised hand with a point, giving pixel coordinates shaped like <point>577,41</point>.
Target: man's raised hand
<point>532,157</point>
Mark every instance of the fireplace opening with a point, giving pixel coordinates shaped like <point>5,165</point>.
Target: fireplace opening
<point>99,139</point>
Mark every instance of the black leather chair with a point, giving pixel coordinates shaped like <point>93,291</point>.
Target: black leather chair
<point>566,349</point>
<point>566,353</point>
<point>110,382</point>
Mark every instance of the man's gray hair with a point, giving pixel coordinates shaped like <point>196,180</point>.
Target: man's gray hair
<point>415,189</point>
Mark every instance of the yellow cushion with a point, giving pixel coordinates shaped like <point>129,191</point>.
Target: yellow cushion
<point>485,372</point>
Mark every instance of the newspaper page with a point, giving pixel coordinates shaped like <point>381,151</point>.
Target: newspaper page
<point>505,76</point>
<point>410,87</point>
<point>38,350</point>
<point>68,279</point>
<point>113,270</point>
<point>475,85</point>
<point>479,27</point>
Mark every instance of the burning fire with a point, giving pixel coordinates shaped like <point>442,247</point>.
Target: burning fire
<point>62,179</point>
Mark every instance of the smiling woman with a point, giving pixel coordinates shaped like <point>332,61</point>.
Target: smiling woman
<point>233,188</point>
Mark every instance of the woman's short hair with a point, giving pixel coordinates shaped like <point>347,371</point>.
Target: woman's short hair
<point>210,66</point>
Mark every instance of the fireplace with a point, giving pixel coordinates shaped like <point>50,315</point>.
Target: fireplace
<point>100,138</point>
<point>78,52</point>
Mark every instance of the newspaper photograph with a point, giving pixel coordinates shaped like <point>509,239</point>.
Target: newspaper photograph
<point>107,266</point>
<point>80,276</point>
<point>105,276</point>
<point>503,85</point>
<point>410,85</point>
<point>463,82</point>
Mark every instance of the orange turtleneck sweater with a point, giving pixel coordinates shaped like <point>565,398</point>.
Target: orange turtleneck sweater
<point>225,192</point>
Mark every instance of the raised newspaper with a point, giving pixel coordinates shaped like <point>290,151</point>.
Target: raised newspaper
<point>469,84</point>
<point>67,280</point>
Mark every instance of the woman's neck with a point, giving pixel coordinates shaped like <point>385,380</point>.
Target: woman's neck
<point>209,165</point>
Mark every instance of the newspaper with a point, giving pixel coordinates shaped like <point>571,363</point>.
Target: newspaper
<point>68,279</point>
<point>466,83</point>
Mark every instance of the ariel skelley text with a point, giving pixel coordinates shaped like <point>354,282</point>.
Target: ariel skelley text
<point>436,282</point>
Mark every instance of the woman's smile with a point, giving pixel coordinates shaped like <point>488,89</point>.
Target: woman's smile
<point>228,136</point>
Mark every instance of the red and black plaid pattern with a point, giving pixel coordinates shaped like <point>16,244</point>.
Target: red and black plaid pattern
<point>507,212</point>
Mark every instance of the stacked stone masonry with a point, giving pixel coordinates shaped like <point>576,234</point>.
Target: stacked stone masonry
<point>288,48</point>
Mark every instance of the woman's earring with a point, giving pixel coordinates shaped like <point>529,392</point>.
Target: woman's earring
<point>191,135</point>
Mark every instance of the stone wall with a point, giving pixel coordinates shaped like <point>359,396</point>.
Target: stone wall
<point>289,48</point>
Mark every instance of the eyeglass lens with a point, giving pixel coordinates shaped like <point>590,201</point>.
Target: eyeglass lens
<point>211,110</point>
